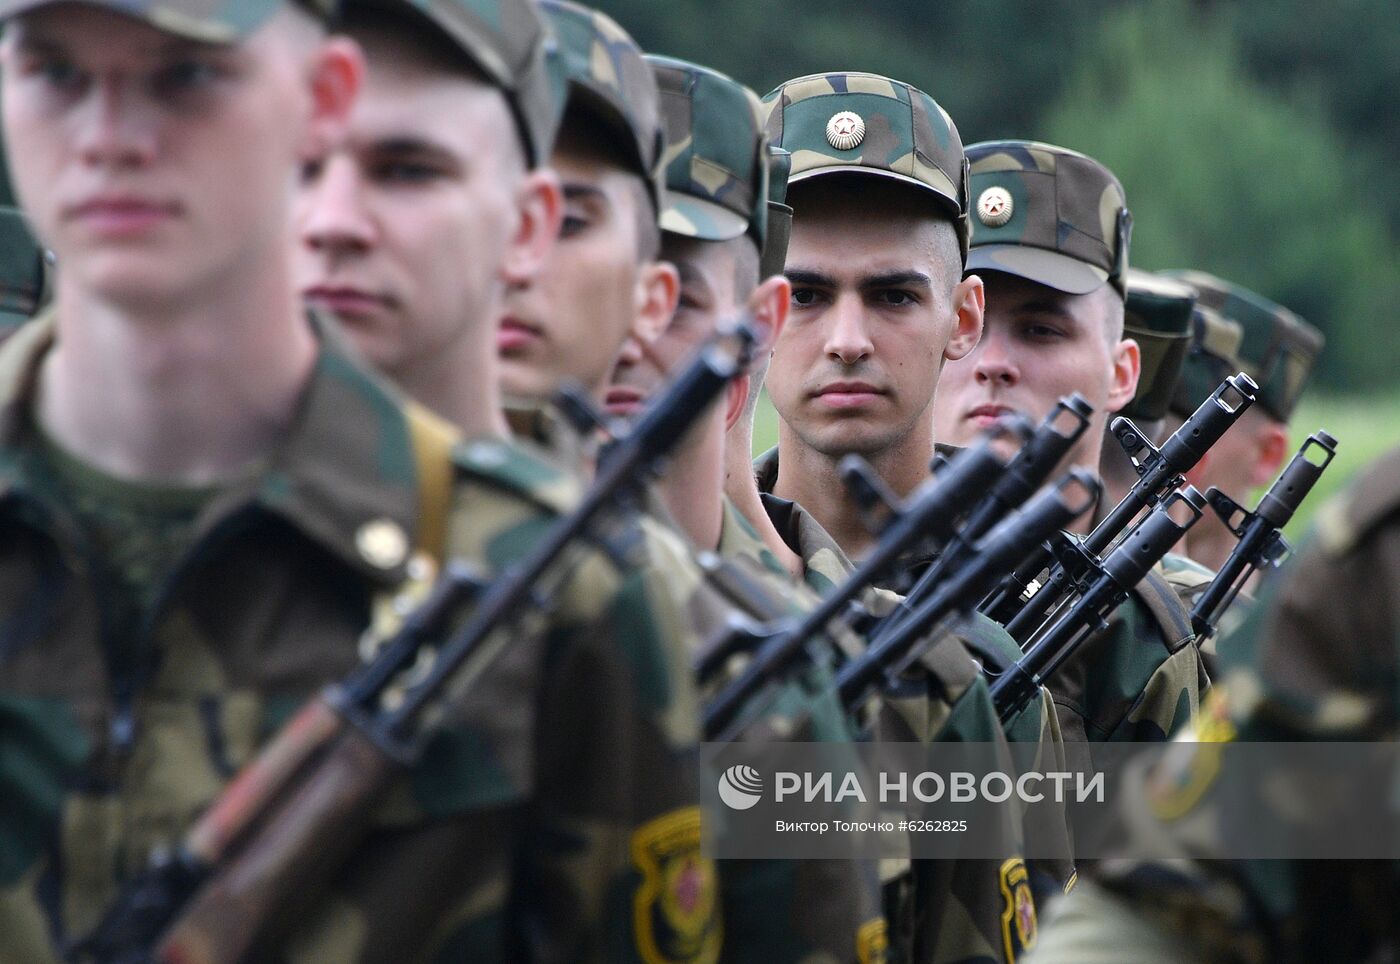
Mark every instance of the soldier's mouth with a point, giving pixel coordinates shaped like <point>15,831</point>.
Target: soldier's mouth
<point>514,334</point>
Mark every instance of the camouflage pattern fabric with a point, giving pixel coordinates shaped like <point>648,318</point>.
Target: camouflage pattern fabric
<point>1049,215</point>
<point>1276,348</point>
<point>851,122</point>
<point>1301,668</point>
<point>23,273</point>
<point>954,910</point>
<point>783,910</point>
<point>1157,315</point>
<point>543,834</point>
<point>510,44</point>
<point>716,156</point>
<point>208,21</point>
<point>779,227</point>
<point>607,76</point>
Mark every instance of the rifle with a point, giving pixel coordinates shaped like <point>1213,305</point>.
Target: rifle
<point>292,817</point>
<point>1260,543</point>
<point>1024,474</point>
<point>1012,538</point>
<point>1160,473</point>
<point>1123,569</point>
<point>930,509</point>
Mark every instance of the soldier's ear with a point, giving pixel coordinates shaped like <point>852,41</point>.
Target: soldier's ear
<point>736,395</point>
<point>769,305</point>
<point>539,203</point>
<point>969,306</point>
<point>1272,449</point>
<point>658,293</point>
<point>1127,369</point>
<point>337,71</point>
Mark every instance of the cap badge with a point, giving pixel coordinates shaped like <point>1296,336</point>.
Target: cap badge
<point>845,130</point>
<point>382,543</point>
<point>994,207</point>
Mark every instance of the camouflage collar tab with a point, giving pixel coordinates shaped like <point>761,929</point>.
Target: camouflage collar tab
<point>1276,347</point>
<point>207,21</point>
<point>716,157</point>
<point>608,78</point>
<point>1048,214</point>
<point>851,122</point>
<point>509,42</point>
<point>343,474</point>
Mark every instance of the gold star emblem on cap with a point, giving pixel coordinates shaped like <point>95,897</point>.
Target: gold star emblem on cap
<point>994,207</point>
<point>382,543</point>
<point>845,130</point>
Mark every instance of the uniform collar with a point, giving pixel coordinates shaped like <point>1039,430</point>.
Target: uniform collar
<point>343,474</point>
<point>738,540</point>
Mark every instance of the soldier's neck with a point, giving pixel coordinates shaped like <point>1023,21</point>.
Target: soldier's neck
<point>189,391</point>
<point>693,484</point>
<point>812,479</point>
<point>741,488</point>
<point>460,382</point>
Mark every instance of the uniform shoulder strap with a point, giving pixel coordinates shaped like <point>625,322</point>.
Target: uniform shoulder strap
<point>433,439</point>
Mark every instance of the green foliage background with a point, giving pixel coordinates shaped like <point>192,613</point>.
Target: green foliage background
<point>1257,139</point>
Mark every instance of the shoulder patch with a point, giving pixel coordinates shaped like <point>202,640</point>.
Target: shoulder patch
<point>1019,928</point>
<point>676,910</point>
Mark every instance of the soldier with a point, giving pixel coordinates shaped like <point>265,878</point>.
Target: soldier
<point>714,225</point>
<point>1051,236</point>
<point>410,229</point>
<point>23,268</point>
<point>1277,349</point>
<point>205,495</point>
<point>603,281</point>
<point>879,303</point>
<point>1156,315</point>
<point>1304,667</point>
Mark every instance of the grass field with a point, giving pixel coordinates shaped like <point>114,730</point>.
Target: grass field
<point>1364,427</point>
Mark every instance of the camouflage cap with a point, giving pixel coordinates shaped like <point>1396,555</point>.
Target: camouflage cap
<point>1212,357</point>
<point>22,270</point>
<point>867,124</point>
<point>1158,317</point>
<point>775,246</point>
<point>716,157</point>
<point>1049,215</point>
<point>1276,348</point>
<point>607,76</point>
<point>208,21</point>
<point>509,43</point>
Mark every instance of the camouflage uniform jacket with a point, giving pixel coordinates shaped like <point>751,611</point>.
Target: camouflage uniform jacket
<point>555,818</point>
<point>787,910</point>
<point>1306,665</point>
<point>953,910</point>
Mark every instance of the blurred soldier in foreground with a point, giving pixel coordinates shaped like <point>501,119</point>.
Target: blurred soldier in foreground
<point>206,495</point>
<point>1055,326</point>
<point>1305,666</point>
<point>1277,349</point>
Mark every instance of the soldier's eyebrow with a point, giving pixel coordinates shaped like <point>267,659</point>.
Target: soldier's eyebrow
<point>1046,307</point>
<point>809,279</point>
<point>897,279</point>
<point>574,191</point>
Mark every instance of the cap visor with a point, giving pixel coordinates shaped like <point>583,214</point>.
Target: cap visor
<point>1050,268</point>
<point>692,217</point>
<point>947,203</point>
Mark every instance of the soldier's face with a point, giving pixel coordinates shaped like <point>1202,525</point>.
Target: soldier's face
<point>1039,344</point>
<point>158,168</point>
<point>404,227</point>
<point>596,290</point>
<point>710,289</point>
<point>876,310</point>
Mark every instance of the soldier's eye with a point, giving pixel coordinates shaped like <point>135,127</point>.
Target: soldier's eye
<point>404,172</point>
<point>184,78</point>
<point>573,224</point>
<point>55,72</point>
<point>895,298</point>
<point>804,297</point>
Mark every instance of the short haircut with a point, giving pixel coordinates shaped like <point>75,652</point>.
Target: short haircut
<point>587,130</point>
